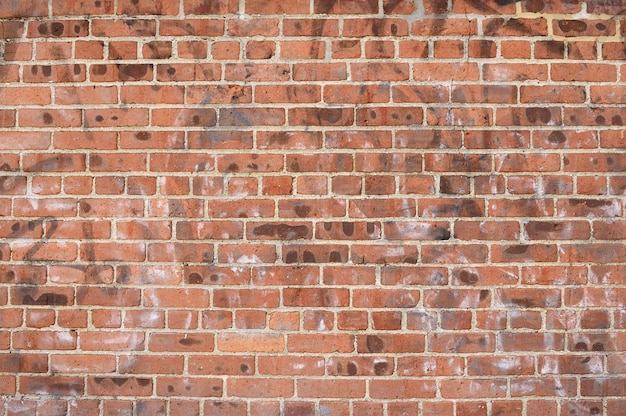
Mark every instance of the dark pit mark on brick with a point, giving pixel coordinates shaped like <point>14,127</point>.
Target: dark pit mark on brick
<point>292,257</point>
<point>380,368</point>
<point>244,368</point>
<point>118,381</point>
<point>351,368</point>
<point>617,120</point>
<point>597,346</point>
<point>335,257</point>
<point>517,249</point>
<point>557,137</point>
<point>536,114</point>
<point>8,277</point>
<point>572,26</point>
<point>99,69</point>
<point>143,136</point>
<point>187,342</point>
<point>600,120</point>
<point>483,294</point>
<point>95,160</point>
<point>308,257</point>
<point>46,70</point>
<point>133,71</point>
<point>194,278</point>
<point>233,167</point>
<point>84,206</point>
<point>370,228</point>
<point>47,118</point>
<point>329,115</point>
<point>468,277</point>
<point>77,69</point>
<point>348,228</point>
<point>99,118</point>
<point>57,29</point>
<point>295,166</point>
<point>302,210</point>
<point>581,346</point>
<point>170,388</point>
<point>374,343</point>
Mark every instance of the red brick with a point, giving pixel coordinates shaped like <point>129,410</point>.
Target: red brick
<point>430,366</point>
<point>530,342</point>
<point>448,49</point>
<point>320,343</point>
<point>402,389</point>
<point>482,49</point>
<point>319,72</point>
<point>23,363</point>
<point>82,364</point>
<point>170,386</point>
<point>45,340</point>
<point>515,27</point>
<point>240,342</point>
<point>306,27</point>
<point>455,388</point>
<point>380,72</point>
<point>236,365</point>
<point>444,27</point>
<point>332,388</point>
<point>582,50</point>
<point>250,319</point>
<point>54,51</point>
<point>375,27</point>
<point>52,385</point>
<point>390,343</point>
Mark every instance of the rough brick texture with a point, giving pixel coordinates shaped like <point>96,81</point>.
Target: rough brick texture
<point>312,207</point>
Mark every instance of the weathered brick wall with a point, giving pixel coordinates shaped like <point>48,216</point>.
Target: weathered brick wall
<point>312,207</point>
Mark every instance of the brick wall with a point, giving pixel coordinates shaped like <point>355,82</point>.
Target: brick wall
<point>312,207</point>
